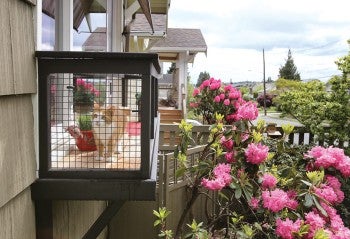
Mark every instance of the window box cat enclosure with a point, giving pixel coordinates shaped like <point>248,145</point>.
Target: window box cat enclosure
<point>80,91</point>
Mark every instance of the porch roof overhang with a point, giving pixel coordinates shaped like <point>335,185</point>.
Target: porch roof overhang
<point>82,8</point>
<point>178,40</point>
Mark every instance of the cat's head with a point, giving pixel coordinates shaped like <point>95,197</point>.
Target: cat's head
<point>103,116</point>
<point>109,115</point>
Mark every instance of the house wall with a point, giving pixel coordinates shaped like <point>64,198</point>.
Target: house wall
<point>17,150</point>
<point>17,154</point>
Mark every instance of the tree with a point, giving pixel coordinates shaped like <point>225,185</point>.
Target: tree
<point>171,68</point>
<point>289,70</point>
<point>315,108</point>
<point>202,77</point>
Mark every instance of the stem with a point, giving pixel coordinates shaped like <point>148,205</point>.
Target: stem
<point>189,204</point>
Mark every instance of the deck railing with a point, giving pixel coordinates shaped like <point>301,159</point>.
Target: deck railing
<point>120,109</point>
<point>169,137</point>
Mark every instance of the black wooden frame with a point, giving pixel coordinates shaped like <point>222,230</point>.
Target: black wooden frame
<point>144,64</point>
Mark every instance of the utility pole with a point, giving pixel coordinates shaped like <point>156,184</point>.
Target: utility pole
<point>264,82</point>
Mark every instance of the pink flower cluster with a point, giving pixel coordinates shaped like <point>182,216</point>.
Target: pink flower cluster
<point>315,221</point>
<point>246,111</point>
<point>86,87</point>
<point>278,199</point>
<point>335,228</point>
<point>268,181</point>
<point>256,153</point>
<point>212,96</point>
<point>330,191</point>
<point>285,228</point>
<point>330,157</point>
<point>222,177</point>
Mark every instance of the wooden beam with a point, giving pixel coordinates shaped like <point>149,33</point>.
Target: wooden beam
<point>43,219</point>
<point>103,220</point>
<point>94,189</point>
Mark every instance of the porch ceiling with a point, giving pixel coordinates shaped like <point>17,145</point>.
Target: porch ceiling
<point>82,8</point>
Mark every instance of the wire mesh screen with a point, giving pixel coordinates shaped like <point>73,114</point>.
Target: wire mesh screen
<point>95,121</point>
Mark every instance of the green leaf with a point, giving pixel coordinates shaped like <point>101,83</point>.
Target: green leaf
<point>307,183</point>
<point>319,207</point>
<point>238,193</point>
<point>308,200</point>
<point>248,193</point>
<point>156,223</point>
<point>222,195</point>
<point>156,213</point>
<point>258,226</point>
<point>180,172</point>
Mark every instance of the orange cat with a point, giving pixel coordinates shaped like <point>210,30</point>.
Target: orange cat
<point>108,126</point>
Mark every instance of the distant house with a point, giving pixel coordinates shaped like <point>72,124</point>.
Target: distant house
<point>97,41</point>
<point>178,45</point>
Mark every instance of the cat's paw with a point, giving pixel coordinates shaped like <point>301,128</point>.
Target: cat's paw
<point>112,159</point>
<point>99,158</point>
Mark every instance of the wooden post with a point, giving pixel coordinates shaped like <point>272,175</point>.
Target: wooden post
<point>43,219</point>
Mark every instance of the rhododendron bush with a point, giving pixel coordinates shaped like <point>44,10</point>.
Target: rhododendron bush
<point>266,188</point>
<point>213,97</point>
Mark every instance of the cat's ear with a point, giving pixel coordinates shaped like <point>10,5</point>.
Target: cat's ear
<point>110,111</point>
<point>96,106</point>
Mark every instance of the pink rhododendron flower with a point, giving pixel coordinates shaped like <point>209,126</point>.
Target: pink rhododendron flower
<point>230,117</point>
<point>327,193</point>
<point>344,167</point>
<point>234,94</point>
<point>193,104</point>
<point>254,202</point>
<point>195,92</point>
<point>214,184</point>
<point>227,143</point>
<point>204,84</point>
<point>268,181</point>
<point>336,185</point>
<point>215,85</point>
<point>336,223</point>
<point>315,221</point>
<point>226,102</point>
<point>277,199</point>
<point>330,157</point>
<point>285,229</point>
<point>256,153</point>
<point>80,82</point>
<point>229,156</point>
<point>222,168</point>
<point>222,177</point>
<point>222,96</point>
<point>316,152</point>
<point>247,111</point>
<point>217,99</point>
<point>228,87</point>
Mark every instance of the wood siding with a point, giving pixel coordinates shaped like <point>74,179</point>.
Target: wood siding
<point>17,155</point>
<point>72,219</point>
<point>17,218</point>
<point>17,72</point>
<point>134,220</point>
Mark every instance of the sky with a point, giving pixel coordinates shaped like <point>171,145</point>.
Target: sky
<point>236,32</point>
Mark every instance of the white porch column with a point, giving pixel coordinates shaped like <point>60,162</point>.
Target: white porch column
<point>115,25</point>
<point>64,25</point>
<point>181,64</point>
<point>64,42</point>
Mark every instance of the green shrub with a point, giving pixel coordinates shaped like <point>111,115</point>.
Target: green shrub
<point>85,122</point>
